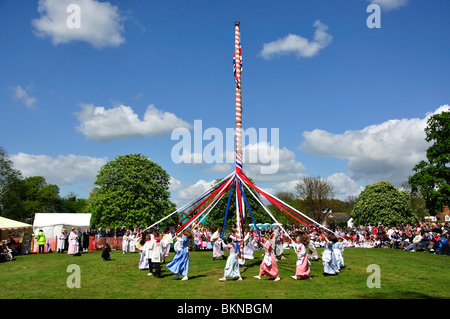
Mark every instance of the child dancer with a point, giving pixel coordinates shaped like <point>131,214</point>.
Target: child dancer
<point>303,270</point>
<point>180,263</point>
<point>338,250</point>
<point>269,265</point>
<point>148,250</point>
<point>217,245</point>
<point>232,265</point>
<point>328,257</point>
<point>157,248</point>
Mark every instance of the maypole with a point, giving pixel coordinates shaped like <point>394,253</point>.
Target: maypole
<point>240,207</point>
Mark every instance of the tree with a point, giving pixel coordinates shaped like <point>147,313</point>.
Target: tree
<point>26,197</point>
<point>71,204</point>
<point>418,203</point>
<point>432,177</point>
<point>315,192</point>
<point>9,177</point>
<point>383,203</point>
<point>130,191</point>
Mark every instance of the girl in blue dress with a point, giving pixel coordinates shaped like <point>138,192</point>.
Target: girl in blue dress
<point>330,266</point>
<point>180,263</point>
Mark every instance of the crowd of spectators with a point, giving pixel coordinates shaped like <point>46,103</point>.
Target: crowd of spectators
<point>432,238</point>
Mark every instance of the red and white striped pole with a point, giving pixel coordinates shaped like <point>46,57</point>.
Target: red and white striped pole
<point>240,208</point>
<point>237,58</point>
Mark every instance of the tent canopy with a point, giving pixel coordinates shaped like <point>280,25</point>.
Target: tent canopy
<point>53,223</point>
<point>7,225</point>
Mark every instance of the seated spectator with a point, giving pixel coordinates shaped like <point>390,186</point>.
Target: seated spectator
<point>417,241</point>
<point>6,252</point>
<point>443,245</point>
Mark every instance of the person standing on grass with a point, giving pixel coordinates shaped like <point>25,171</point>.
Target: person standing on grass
<point>269,266</point>
<point>232,265</point>
<point>61,241</point>
<point>180,263</point>
<point>148,251</point>
<point>73,243</point>
<point>86,235</point>
<point>302,266</point>
<point>157,247</point>
<point>40,241</point>
<point>125,243</point>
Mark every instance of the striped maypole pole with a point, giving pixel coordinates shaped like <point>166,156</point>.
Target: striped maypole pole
<point>240,208</point>
<point>237,72</point>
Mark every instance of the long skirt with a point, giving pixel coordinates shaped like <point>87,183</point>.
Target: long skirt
<point>73,247</point>
<point>217,249</point>
<point>143,262</point>
<point>232,266</point>
<point>303,270</point>
<point>180,263</point>
<point>270,271</point>
<point>329,263</point>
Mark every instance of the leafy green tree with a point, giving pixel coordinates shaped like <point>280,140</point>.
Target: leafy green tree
<point>130,191</point>
<point>71,204</point>
<point>9,178</point>
<point>383,203</point>
<point>26,197</point>
<point>432,177</point>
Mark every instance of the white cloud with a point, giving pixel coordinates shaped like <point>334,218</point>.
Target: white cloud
<point>189,192</point>
<point>344,186</point>
<point>386,151</point>
<point>279,162</point>
<point>102,125</point>
<point>389,4</point>
<point>298,45</point>
<point>101,24</point>
<point>61,170</point>
<point>19,94</point>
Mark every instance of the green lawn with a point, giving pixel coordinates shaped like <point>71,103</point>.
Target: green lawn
<point>404,275</point>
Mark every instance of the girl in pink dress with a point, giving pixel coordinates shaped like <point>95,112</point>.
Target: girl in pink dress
<point>269,266</point>
<point>302,270</point>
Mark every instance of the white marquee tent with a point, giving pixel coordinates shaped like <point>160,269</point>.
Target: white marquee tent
<point>9,225</point>
<point>53,223</point>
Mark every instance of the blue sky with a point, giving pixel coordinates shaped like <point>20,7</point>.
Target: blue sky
<point>350,102</point>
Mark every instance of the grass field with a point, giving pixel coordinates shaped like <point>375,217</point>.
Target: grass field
<point>403,275</point>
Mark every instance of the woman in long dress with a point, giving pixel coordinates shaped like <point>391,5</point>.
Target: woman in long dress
<point>73,243</point>
<point>302,266</point>
<point>269,266</point>
<point>180,262</point>
<point>232,265</point>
